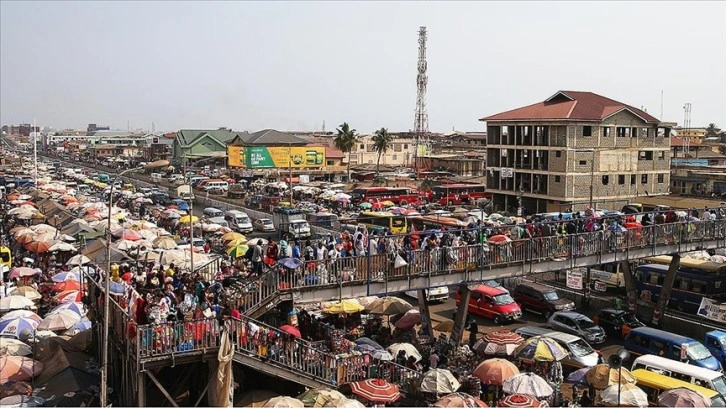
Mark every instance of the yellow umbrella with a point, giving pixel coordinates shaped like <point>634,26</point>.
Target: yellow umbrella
<point>346,306</point>
<point>188,219</point>
<point>387,203</point>
<point>231,236</point>
<point>444,326</point>
<point>235,242</point>
<point>238,251</point>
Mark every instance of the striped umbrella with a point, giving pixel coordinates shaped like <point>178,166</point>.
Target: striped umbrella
<point>376,390</point>
<point>70,296</point>
<point>540,349</point>
<point>527,384</point>
<point>22,271</point>
<point>502,342</point>
<point>17,326</point>
<point>521,400</point>
<point>460,400</point>
<point>66,276</point>
<point>15,368</point>
<point>238,251</point>
<point>495,370</point>
<point>14,347</point>
<point>21,313</point>
<point>74,307</point>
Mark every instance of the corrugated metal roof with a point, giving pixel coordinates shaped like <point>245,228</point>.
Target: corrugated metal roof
<point>571,105</point>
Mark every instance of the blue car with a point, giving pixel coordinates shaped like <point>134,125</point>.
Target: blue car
<point>647,340</point>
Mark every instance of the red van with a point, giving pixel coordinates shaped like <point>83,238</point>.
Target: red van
<point>492,303</point>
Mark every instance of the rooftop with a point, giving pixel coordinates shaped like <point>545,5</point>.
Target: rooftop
<point>571,105</point>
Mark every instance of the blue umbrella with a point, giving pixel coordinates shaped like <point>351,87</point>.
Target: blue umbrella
<point>184,207</point>
<point>83,324</point>
<point>117,288</point>
<point>366,347</point>
<point>65,276</point>
<point>178,201</point>
<point>292,263</point>
<point>365,340</point>
<point>578,376</point>
<point>17,326</point>
<point>75,307</point>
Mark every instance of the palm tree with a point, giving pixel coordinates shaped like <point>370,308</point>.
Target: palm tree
<point>712,130</point>
<point>346,141</point>
<point>382,141</point>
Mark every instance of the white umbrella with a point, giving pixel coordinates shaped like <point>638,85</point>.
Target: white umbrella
<point>630,396</point>
<point>148,234</point>
<point>528,384</point>
<point>125,245</point>
<point>60,320</point>
<point>210,227</point>
<point>78,260</point>
<point>439,381</point>
<point>15,302</point>
<point>67,238</point>
<point>43,228</point>
<point>61,247</point>
<point>45,237</point>
<point>14,347</point>
<point>408,349</point>
<point>26,291</point>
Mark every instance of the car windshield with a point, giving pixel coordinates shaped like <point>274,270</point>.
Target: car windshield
<point>266,222</point>
<point>630,319</point>
<point>697,351</point>
<point>580,348</point>
<point>722,340</point>
<point>503,299</point>
<point>719,384</point>
<point>551,296</point>
<point>585,323</point>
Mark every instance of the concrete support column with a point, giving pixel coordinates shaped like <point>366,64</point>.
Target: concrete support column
<point>630,288</point>
<point>461,312</point>
<point>423,308</point>
<point>141,389</point>
<point>665,292</point>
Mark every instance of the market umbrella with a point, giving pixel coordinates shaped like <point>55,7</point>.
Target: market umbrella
<point>389,305</point>
<point>130,235</point>
<point>460,400</point>
<point>75,307</point>
<point>540,348</point>
<point>387,203</point>
<point>254,398</point>
<point>578,376</point>
<point>60,320</point>
<point>408,349</point>
<point>677,397</point>
<point>21,313</point>
<point>61,246</point>
<point>79,326</point>
<point>126,245</point>
<point>439,381</point>
<point>376,390</point>
<point>347,403</point>
<point>346,306</point>
<point>499,239</point>
<point>18,326</point>
<point>283,402</point>
<point>318,398</point>
<point>49,237</point>
<point>38,247</point>
<point>22,271</point>
<point>238,241</point>
<point>254,241</point>
<point>66,286</point>
<point>165,242</point>
<point>502,342</point>
<point>365,205</point>
<point>69,296</point>
<point>14,347</point>
<point>444,326</point>
<point>630,396</point>
<point>382,355</point>
<point>25,238</point>
<point>26,291</point>
<point>15,302</point>
<point>408,320</point>
<point>602,376</point>
<point>527,384</point>
<point>238,251</point>
<point>291,263</point>
<point>231,236</point>
<point>78,260</point>
<point>66,276</point>
<point>16,368</point>
<point>187,219</point>
<point>495,370</point>
<point>291,330</point>
<point>520,400</point>
<point>365,340</point>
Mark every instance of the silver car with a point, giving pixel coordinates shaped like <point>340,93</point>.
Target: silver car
<point>577,324</point>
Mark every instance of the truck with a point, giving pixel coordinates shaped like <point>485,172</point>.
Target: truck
<point>291,222</point>
<point>184,192</point>
<point>440,294</point>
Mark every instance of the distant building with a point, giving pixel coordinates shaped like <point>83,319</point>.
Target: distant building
<point>93,128</point>
<point>24,129</point>
<point>553,155</point>
<point>191,144</point>
<point>695,135</point>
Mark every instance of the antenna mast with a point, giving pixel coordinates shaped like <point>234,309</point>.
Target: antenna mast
<point>686,127</point>
<point>421,120</point>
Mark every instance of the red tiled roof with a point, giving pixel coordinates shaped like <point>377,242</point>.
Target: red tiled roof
<point>333,153</point>
<point>571,105</point>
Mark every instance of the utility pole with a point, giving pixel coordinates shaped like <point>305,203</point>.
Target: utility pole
<point>421,117</point>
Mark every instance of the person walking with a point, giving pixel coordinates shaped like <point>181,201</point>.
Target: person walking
<point>473,331</point>
<point>257,254</point>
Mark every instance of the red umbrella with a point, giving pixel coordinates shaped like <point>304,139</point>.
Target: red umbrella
<point>376,390</point>
<point>495,370</point>
<point>66,286</point>
<point>460,400</point>
<point>129,234</point>
<point>70,296</point>
<point>22,271</point>
<point>520,400</point>
<point>633,225</point>
<point>291,330</point>
<point>38,246</point>
<point>499,239</point>
<point>408,320</point>
<point>503,337</point>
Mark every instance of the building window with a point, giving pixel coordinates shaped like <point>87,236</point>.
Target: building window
<point>395,157</point>
<point>587,130</point>
<point>621,179</point>
<point>583,162</point>
<point>661,155</point>
<point>405,146</point>
<point>661,177</point>
<point>634,132</point>
<point>632,179</point>
<point>331,162</point>
<point>397,147</point>
<point>558,153</point>
<point>362,146</point>
<point>645,155</point>
<point>605,180</point>
<point>623,131</point>
<point>557,179</point>
<point>644,179</point>
<point>644,132</point>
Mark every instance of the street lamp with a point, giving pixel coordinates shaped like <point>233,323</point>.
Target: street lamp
<point>615,361</point>
<point>107,284</point>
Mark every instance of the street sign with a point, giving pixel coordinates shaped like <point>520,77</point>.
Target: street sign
<point>574,279</point>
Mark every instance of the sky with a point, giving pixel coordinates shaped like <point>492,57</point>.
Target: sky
<point>293,65</point>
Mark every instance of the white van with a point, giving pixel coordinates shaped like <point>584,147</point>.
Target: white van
<point>704,377</point>
<point>219,221</point>
<point>239,221</point>
<point>221,184</point>
<point>211,212</point>
<point>440,294</point>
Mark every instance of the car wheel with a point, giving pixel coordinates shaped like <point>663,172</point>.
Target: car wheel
<point>497,319</point>
<point>547,314</point>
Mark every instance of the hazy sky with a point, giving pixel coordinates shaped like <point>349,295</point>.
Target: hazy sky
<point>293,65</point>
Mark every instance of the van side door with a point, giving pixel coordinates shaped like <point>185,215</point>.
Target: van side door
<point>475,302</point>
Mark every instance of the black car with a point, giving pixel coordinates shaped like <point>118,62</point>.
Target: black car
<point>618,322</point>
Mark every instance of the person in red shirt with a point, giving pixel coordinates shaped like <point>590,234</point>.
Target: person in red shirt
<point>207,248</point>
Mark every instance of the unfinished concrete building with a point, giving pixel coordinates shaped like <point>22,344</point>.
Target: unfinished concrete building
<point>572,150</point>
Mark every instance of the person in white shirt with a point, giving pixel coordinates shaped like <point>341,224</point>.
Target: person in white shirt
<point>373,245</point>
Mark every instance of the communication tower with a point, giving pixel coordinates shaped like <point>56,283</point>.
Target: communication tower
<point>421,119</point>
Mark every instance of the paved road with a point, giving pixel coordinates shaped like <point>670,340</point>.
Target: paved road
<point>447,309</point>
